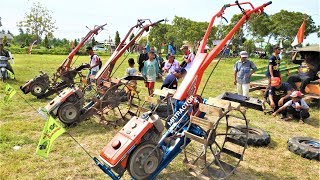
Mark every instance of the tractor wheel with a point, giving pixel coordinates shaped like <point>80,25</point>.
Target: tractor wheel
<point>306,147</point>
<point>216,155</point>
<point>256,137</point>
<point>144,160</point>
<point>38,89</point>
<point>68,113</point>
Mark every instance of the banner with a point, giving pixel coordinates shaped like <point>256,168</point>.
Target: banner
<point>51,131</point>
<point>9,92</point>
<point>30,48</point>
<point>300,35</point>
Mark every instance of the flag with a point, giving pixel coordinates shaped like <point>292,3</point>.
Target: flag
<point>30,48</point>
<point>51,131</point>
<point>300,35</point>
<point>9,92</point>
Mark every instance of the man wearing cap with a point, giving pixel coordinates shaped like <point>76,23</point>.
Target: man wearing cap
<point>171,65</point>
<point>188,58</point>
<point>243,69</point>
<point>296,108</point>
<point>143,56</point>
<point>5,53</point>
<point>279,93</point>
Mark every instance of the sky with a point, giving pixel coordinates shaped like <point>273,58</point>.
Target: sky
<point>72,16</point>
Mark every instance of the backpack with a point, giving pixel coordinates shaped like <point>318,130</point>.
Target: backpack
<point>99,61</point>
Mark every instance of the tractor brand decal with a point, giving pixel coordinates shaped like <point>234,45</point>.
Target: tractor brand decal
<point>183,108</point>
<point>193,88</point>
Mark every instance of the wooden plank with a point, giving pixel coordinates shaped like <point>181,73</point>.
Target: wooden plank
<point>195,137</point>
<point>143,109</point>
<point>152,100</point>
<point>210,110</point>
<point>160,92</point>
<point>204,124</point>
<point>219,103</point>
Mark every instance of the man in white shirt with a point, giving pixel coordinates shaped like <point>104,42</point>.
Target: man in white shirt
<point>188,58</point>
<point>94,62</point>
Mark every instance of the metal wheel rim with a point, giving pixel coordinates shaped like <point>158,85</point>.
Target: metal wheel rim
<point>214,154</point>
<point>68,113</point>
<point>142,163</point>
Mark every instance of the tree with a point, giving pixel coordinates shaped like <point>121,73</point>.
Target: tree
<point>5,40</point>
<point>46,42</point>
<point>131,37</point>
<point>286,24</point>
<point>117,39</point>
<point>156,35</point>
<point>75,42</point>
<point>93,42</point>
<point>38,20</point>
<point>249,46</point>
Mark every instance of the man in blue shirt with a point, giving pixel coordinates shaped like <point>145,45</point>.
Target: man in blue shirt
<point>243,69</point>
<point>171,81</point>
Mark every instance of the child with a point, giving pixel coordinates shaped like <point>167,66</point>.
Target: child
<point>150,71</point>
<point>296,107</point>
<point>131,71</point>
<point>132,85</point>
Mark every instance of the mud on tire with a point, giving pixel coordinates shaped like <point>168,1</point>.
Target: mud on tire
<point>305,146</point>
<point>256,137</point>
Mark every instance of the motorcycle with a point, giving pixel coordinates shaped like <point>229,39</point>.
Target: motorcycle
<point>4,72</point>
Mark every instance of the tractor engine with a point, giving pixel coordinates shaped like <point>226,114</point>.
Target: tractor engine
<point>134,147</point>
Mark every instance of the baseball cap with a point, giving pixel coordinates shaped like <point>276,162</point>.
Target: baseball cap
<point>243,54</point>
<point>296,94</point>
<point>184,47</point>
<point>275,81</point>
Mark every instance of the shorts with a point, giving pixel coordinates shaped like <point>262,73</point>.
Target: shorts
<point>149,85</point>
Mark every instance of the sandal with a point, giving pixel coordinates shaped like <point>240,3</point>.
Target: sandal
<point>301,121</point>
<point>287,118</point>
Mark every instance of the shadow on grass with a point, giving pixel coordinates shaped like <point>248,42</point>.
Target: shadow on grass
<point>312,122</point>
<point>90,127</point>
<point>240,173</point>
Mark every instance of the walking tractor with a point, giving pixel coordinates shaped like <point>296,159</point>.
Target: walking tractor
<point>201,128</point>
<point>41,87</point>
<point>106,96</point>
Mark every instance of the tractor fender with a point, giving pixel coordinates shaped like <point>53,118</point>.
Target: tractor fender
<point>53,106</point>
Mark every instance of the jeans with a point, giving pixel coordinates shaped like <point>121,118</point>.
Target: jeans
<point>302,114</point>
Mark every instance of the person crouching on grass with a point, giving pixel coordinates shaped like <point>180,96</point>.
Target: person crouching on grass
<point>150,71</point>
<point>296,108</point>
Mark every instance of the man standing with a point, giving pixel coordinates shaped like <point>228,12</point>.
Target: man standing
<point>6,53</point>
<point>188,58</point>
<point>273,69</point>
<point>94,62</point>
<point>143,56</point>
<point>243,69</point>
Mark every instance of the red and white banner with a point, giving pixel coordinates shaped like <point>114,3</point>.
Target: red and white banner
<point>300,35</point>
<point>30,48</point>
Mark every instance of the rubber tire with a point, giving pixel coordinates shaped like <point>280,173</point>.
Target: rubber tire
<point>256,137</point>
<point>131,162</point>
<point>70,121</point>
<point>309,152</point>
<point>42,86</point>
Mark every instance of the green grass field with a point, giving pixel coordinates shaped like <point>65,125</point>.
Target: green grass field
<point>20,125</point>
